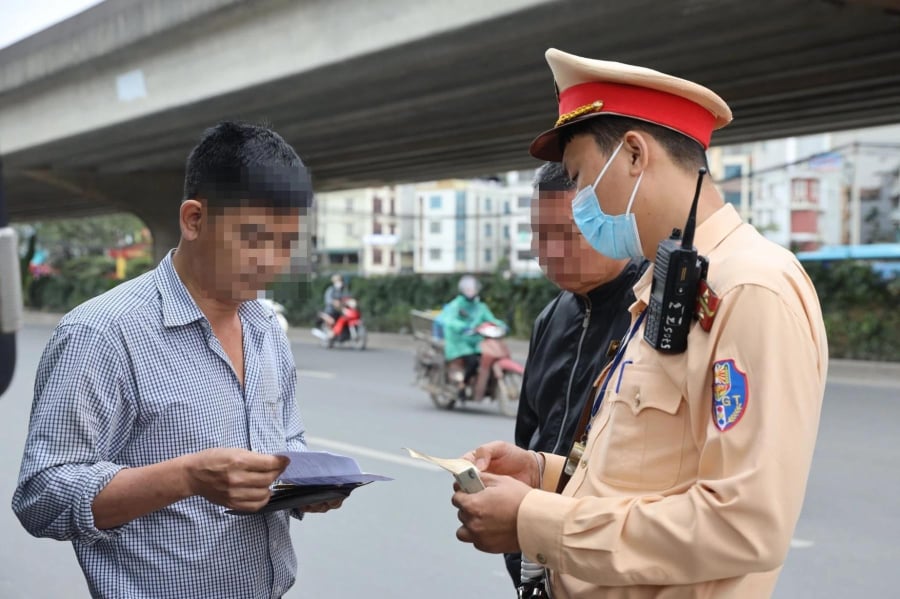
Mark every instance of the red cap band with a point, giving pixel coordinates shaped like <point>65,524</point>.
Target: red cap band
<point>651,105</point>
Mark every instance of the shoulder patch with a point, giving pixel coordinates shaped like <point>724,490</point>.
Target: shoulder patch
<point>731,393</point>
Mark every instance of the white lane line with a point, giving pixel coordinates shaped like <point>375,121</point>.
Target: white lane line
<point>859,382</point>
<point>359,450</point>
<point>801,544</point>
<point>315,374</point>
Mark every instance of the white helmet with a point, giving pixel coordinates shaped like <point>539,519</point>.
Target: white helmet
<point>469,286</point>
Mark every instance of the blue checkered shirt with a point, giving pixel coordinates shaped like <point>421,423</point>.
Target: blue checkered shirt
<point>135,377</point>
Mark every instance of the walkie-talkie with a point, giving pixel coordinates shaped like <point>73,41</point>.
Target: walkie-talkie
<point>676,274</point>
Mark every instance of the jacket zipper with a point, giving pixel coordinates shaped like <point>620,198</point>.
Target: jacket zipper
<point>584,327</point>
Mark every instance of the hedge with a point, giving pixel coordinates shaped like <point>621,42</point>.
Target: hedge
<point>861,310</point>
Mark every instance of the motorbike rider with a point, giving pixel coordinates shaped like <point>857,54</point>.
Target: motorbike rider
<point>460,318</point>
<point>334,297</point>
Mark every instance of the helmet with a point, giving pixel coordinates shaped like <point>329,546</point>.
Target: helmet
<point>469,286</point>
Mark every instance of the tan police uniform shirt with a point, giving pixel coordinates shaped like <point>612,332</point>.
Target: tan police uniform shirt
<point>696,464</point>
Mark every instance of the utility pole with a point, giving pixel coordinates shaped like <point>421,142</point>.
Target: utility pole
<point>746,208</point>
<point>855,205</point>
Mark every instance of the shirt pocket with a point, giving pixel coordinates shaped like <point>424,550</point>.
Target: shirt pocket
<point>641,445</point>
<point>179,419</point>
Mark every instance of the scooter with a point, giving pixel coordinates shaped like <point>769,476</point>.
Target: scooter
<point>499,376</point>
<point>348,328</point>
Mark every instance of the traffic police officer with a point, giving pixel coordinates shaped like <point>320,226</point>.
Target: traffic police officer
<point>695,464</point>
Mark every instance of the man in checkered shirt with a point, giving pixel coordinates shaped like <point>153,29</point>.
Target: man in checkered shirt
<point>159,404</point>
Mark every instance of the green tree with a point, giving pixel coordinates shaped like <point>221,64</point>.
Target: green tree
<point>75,248</point>
<point>64,239</point>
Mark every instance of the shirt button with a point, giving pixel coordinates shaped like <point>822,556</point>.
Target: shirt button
<point>583,464</point>
<point>637,400</point>
<point>541,558</point>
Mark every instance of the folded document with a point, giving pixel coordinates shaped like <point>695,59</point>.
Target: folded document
<point>464,471</point>
<point>313,477</point>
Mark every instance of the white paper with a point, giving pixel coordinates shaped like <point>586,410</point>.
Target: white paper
<point>324,468</point>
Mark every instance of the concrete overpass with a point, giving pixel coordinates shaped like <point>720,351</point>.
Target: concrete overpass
<point>99,111</point>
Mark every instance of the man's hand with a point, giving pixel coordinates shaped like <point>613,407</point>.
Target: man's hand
<point>319,508</point>
<point>499,457</point>
<point>489,517</point>
<point>236,478</point>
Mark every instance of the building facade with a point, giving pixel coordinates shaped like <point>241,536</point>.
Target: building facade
<point>362,231</point>
<point>477,226</point>
<point>805,192</point>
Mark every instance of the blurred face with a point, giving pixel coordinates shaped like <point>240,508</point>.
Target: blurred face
<point>468,288</point>
<point>246,248</point>
<point>564,255</point>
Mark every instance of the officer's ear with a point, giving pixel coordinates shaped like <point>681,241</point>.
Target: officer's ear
<point>637,148</point>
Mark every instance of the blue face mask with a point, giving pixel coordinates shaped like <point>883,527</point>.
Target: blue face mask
<point>613,236</point>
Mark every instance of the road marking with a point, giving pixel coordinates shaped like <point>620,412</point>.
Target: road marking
<point>315,374</point>
<point>801,544</point>
<point>860,382</point>
<point>371,453</point>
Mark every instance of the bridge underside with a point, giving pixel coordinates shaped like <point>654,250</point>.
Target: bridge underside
<point>468,102</point>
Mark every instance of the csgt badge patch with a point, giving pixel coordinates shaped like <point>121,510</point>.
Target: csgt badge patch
<point>730,394</point>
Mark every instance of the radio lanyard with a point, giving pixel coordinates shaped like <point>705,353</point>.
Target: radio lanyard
<point>612,370</point>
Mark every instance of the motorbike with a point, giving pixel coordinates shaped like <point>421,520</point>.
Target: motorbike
<point>347,329</point>
<point>498,377</point>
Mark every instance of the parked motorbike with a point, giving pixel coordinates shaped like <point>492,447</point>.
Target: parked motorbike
<point>499,377</point>
<point>348,328</point>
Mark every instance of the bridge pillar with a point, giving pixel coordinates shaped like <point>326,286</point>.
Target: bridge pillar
<point>166,234</point>
<point>154,197</point>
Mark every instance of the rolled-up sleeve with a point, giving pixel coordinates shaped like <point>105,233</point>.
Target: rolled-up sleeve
<point>79,420</point>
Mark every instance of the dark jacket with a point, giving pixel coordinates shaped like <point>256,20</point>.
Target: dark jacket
<point>568,350</point>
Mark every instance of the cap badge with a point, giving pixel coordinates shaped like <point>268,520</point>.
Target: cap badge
<point>581,110</point>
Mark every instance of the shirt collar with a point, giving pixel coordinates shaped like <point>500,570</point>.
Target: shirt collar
<point>179,308</point>
<point>622,282</point>
<point>710,233</point>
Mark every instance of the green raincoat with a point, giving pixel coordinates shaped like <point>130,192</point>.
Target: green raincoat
<point>459,317</point>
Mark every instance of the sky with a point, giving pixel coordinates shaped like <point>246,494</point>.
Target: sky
<point>22,18</point>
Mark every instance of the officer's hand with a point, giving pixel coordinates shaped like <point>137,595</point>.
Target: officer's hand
<point>499,457</point>
<point>236,478</point>
<point>489,517</point>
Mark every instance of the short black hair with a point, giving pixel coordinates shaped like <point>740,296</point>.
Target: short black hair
<point>235,147</point>
<point>608,131</point>
<point>551,176</point>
